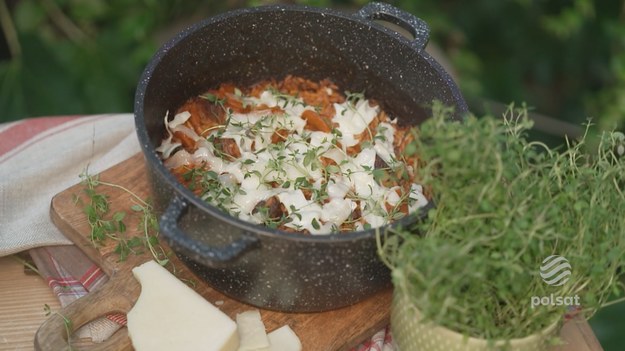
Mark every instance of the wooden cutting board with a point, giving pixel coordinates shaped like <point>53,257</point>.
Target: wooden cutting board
<point>339,329</point>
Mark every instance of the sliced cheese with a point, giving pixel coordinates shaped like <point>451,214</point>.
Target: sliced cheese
<point>171,316</point>
<point>252,335</point>
<point>284,339</point>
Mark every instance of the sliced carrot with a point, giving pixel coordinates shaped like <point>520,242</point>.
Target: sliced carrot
<point>353,150</point>
<point>307,193</point>
<point>188,143</point>
<point>274,110</point>
<point>229,147</point>
<point>325,161</point>
<point>204,115</point>
<point>273,207</point>
<point>279,135</point>
<point>315,122</point>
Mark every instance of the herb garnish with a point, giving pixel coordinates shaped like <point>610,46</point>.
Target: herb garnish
<point>112,227</point>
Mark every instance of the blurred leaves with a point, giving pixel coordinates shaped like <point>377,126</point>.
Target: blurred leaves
<point>80,56</point>
<point>565,58</point>
<point>569,20</point>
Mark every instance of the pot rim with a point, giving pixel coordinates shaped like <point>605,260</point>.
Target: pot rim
<point>180,190</point>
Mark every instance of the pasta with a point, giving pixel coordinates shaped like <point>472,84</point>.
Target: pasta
<point>295,155</point>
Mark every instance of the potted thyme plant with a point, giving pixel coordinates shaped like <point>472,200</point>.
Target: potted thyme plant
<point>520,233</point>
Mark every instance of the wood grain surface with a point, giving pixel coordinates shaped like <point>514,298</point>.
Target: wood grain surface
<point>334,330</point>
<point>22,298</point>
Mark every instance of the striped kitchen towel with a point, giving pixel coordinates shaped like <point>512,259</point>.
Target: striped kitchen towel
<point>40,157</point>
<point>71,275</point>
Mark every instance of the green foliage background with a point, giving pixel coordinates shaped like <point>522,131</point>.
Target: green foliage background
<point>564,58</point>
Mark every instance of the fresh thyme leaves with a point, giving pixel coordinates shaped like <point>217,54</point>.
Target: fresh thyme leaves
<point>26,264</point>
<point>214,99</point>
<point>504,204</point>
<point>67,324</point>
<point>353,98</point>
<point>105,226</point>
<point>311,158</point>
<point>96,209</point>
<point>285,99</point>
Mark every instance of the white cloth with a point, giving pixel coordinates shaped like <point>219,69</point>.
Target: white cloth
<point>41,157</point>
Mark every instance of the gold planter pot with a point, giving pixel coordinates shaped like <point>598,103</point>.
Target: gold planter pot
<point>410,334</point>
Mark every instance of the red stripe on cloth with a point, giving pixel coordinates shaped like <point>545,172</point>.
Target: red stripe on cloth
<point>388,336</point>
<point>118,318</point>
<point>71,281</point>
<point>91,275</point>
<point>26,129</point>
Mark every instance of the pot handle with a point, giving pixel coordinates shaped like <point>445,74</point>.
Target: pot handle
<point>382,11</point>
<point>209,255</point>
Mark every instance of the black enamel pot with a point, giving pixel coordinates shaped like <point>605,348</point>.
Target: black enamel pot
<point>251,263</point>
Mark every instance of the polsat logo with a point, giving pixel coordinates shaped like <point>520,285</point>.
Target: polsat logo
<point>555,270</point>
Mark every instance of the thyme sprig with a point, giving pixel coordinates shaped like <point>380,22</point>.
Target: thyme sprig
<point>105,226</point>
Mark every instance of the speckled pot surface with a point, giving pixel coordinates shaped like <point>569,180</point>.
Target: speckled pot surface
<point>254,264</point>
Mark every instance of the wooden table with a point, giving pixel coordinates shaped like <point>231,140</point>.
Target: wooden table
<point>23,296</point>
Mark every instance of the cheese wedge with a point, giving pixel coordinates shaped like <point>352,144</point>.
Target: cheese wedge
<point>284,339</point>
<point>171,316</point>
<point>252,335</point>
